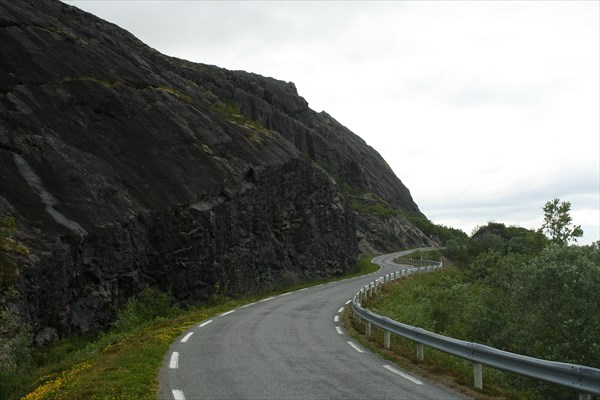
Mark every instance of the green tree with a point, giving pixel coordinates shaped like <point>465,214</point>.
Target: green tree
<point>558,223</point>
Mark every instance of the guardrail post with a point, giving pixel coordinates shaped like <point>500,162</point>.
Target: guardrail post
<point>386,339</point>
<point>585,396</point>
<point>478,376</point>
<point>420,352</point>
<point>368,329</point>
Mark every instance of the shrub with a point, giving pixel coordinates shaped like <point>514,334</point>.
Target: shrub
<point>144,307</point>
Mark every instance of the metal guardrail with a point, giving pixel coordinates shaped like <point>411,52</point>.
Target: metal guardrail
<point>586,380</point>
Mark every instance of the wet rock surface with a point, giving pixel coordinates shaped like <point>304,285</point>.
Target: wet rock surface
<point>141,179</point>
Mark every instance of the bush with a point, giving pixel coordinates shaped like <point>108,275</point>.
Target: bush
<point>445,233</point>
<point>15,351</point>
<point>144,307</point>
<point>542,305</point>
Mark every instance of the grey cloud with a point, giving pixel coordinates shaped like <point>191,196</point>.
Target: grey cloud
<point>482,97</point>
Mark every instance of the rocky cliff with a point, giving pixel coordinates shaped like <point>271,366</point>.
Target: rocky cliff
<point>126,169</point>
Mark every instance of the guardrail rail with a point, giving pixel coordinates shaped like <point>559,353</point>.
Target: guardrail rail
<point>584,379</point>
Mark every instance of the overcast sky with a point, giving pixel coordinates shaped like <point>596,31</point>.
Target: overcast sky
<point>485,110</point>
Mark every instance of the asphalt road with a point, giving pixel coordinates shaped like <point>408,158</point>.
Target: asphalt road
<point>291,346</point>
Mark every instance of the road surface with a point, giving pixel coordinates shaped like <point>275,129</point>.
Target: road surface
<point>291,346</point>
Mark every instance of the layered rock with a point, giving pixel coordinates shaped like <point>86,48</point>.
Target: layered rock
<point>127,169</point>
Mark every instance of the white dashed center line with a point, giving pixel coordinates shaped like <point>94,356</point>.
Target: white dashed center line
<point>349,301</point>
<point>339,330</point>
<point>186,337</point>
<point>341,309</point>
<point>336,318</point>
<point>178,395</point>
<point>174,363</point>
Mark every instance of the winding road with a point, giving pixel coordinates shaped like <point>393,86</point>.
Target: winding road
<point>291,346</point>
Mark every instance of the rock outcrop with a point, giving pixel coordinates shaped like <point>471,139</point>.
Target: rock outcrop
<point>126,169</point>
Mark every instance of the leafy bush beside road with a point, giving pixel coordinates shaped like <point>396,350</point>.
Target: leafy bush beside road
<point>544,304</point>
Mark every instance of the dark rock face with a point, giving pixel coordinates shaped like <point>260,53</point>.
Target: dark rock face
<point>261,235</point>
<point>122,173</point>
<point>375,233</point>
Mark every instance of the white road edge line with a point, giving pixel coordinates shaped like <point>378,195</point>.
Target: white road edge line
<point>186,337</point>
<point>284,294</point>
<point>402,374</point>
<point>355,347</point>
<point>336,318</point>
<point>202,325</point>
<point>302,290</point>
<point>247,305</point>
<point>339,330</point>
<point>226,313</point>
<point>178,395</point>
<point>174,363</point>
<point>341,309</point>
<point>349,301</point>
<point>268,298</point>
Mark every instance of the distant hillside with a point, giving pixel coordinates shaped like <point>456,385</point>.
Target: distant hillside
<point>125,169</point>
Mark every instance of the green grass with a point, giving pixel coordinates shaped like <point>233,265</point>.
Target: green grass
<point>379,210</point>
<point>124,362</point>
<point>362,267</point>
<point>115,85</point>
<point>174,92</point>
<point>231,112</point>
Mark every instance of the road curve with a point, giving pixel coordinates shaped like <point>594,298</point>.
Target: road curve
<point>291,346</point>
